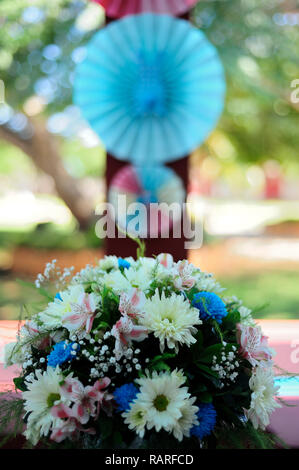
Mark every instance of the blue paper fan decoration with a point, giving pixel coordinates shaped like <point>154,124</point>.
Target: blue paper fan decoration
<point>149,186</point>
<point>151,86</point>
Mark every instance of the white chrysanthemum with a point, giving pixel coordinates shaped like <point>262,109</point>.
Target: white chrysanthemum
<point>108,262</point>
<point>117,281</point>
<point>89,274</point>
<point>52,316</point>
<point>42,394</point>
<point>135,418</point>
<point>131,277</point>
<point>140,277</point>
<point>246,317</point>
<point>171,319</point>
<point>159,401</point>
<point>147,263</point>
<point>263,401</point>
<point>206,282</point>
<point>188,419</point>
<point>154,269</point>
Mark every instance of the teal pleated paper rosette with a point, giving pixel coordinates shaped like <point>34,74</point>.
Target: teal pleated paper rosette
<point>151,86</point>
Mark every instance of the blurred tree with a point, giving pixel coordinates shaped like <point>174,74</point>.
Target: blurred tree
<point>40,44</point>
<point>41,41</point>
<point>258,42</point>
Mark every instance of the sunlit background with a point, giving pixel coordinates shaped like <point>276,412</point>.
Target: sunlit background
<point>244,181</point>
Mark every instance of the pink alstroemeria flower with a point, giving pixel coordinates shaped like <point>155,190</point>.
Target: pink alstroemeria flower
<point>253,345</point>
<point>87,400</point>
<point>166,260</point>
<point>125,331</point>
<point>40,341</point>
<point>82,315</point>
<point>131,303</point>
<point>70,428</point>
<point>183,277</point>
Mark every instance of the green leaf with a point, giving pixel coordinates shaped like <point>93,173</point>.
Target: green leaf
<point>160,366</point>
<point>163,357</point>
<point>117,438</point>
<point>102,326</point>
<point>207,355</point>
<point>20,383</point>
<point>42,291</point>
<point>206,369</point>
<point>231,319</point>
<point>106,428</point>
<point>199,388</point>
<point>205,397</point>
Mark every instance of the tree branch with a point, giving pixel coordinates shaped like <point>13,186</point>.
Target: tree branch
<point>41,147</point>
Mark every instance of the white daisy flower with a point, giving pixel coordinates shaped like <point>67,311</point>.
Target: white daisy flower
<point>42,394</point>
<point>188,419</point>
<point>159,401</point>
<point>263,401</point>
<point>135,418</point>
<point>171,319</point>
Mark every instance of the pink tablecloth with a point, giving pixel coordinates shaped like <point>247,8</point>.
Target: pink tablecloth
<point>283,337</point>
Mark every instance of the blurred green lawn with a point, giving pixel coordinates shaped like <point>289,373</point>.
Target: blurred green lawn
<point>278,289</point>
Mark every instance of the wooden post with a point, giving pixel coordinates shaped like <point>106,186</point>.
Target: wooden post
<point>124,246</point>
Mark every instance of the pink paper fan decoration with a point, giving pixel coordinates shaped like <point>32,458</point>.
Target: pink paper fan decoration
<point>126,181</point>
<point>119,8</point>
<point>148,186</point>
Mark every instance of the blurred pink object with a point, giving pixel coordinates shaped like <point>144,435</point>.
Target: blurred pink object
<point>126,180</point>
<point>119,8</point>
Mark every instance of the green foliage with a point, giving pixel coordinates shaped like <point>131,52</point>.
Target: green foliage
<point>254,288</point>
<point>246,437</point>
<point>260,61</point>
<point>259,56</point>
<point>20,384</point>
<point>110,302</point>
<point>49,236</point>
<point>158,362</point>
<point>11,414</point>
<point>207,355</point>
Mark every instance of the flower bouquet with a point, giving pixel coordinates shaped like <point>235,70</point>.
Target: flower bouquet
<point>144,353</point>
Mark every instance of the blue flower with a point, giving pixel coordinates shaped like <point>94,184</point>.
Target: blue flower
<point>207,420</point>
<point>124,395</point>
<point>61,353</point>
<point>210,306</point>
<point>123,264</point>
<point>58,296</point>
